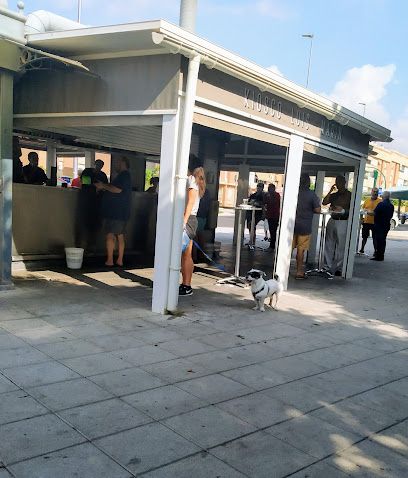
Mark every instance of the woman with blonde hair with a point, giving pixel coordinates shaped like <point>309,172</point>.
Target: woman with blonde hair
<point>195,191</point>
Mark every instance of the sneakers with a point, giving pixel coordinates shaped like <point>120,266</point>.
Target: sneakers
<point>185,290</point>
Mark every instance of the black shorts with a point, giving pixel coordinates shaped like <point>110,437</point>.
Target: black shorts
<point>191,227</point>
<point>365,233</point>
<point>114,226</point>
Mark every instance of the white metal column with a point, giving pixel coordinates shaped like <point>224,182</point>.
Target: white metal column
<point>165,206</point>
<point>354,220</point>
<point>288,207</point>
<point>6,176</point>
<point>311,257</point>
<point>89,159</point>
<point>186,128</point>
<point>51,159</point>
<point>242,193</point>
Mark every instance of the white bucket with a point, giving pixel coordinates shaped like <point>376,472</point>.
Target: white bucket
<point>74,256</point>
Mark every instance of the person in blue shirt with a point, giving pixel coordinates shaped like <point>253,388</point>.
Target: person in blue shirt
<point>382,219</point>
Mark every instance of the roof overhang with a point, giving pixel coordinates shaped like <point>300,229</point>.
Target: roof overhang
<point>159,36</point>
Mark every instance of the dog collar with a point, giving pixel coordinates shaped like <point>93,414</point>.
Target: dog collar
<point>258,291</point>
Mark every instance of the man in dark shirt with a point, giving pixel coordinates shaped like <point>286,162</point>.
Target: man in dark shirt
<point>256,199</point>
<point>382,218</point>
<point>116,210</point>
<point>32,173</point>
<point>336,230</point>
<point>272,212</point>
<point>307,205</point>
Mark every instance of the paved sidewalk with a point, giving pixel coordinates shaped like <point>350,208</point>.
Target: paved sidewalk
<point>92,384</point>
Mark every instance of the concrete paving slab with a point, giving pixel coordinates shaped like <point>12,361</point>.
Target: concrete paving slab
<point>9,341</point>
<point>186,347</point>
<point>22,356</point>
<point>6,385</point>
<point>353,416</point>
<point>400,387</point>
<point>89,330</point>
<point>340,355</point>
<point>394,438</point>
<point>313,436</point>
<point>44,335</point>
<point>34,437</point>
<point>176,370</point>
<point>384,402</point>
<point>144,355</point>
<point>69,349</point>
<point>71,393</point>
<point>274,330</point>
<point>97,363</point>
<point>262,456</point>
<point>259,409</point>
<point>124,382</point>
<point>294,367</point>
<point>164,402</point>
<point>84,461</point>
<point>22,324</point>
<point>384,344</point>
<point>4,473</point>
<point>104,418</point>
<point>9,312</point>
<point>153,445</point>
<point>156,335</point>
<point>39,374</point>
<point>320,470</point>
<point>222,360</point>
<point>110,343</point>
<point>18,405</point>
<point>256,376</point>
<point>208,426</point>
<point>223,340</point>
<point>301,396</point>
<point>368,460</point>
<point>214,388</point>
<point>202,465</point>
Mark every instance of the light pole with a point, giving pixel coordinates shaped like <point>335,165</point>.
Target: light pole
<point>364,108</point>
<point>79,10</point>
<point>310,36</point>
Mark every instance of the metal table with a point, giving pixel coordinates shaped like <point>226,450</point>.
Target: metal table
<point>320,270</point>
<point>236,278</point>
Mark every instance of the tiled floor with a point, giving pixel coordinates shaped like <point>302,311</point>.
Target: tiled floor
<point>92,384</point>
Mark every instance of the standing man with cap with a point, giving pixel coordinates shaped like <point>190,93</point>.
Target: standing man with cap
<point>336,230</point>
<point>382,219</point>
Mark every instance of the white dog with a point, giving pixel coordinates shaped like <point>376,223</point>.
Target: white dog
<point>261,289</point>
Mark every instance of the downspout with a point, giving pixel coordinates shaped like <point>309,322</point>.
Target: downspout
<point>181,181</point>
<point>42,21</point>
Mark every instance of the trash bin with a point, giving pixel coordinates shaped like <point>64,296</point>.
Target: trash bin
<point>74,257</point>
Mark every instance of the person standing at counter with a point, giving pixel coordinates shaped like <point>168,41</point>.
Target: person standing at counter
<point>368,221</point>
<point>32,173</point>
<point>116,203</point>
<point>272,212</point>
<point>336,229</point>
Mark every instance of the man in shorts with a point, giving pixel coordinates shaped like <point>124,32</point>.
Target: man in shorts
<point>308,204</point>
<point>116,203</point>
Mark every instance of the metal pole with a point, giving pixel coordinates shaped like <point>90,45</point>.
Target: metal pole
<point>79,10</point>
<point>239,238</point>
<point>310,36</point>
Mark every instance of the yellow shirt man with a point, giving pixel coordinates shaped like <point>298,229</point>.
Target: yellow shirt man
<point>370,205</point>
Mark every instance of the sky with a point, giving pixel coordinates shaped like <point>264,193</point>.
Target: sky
<point>359,46</point>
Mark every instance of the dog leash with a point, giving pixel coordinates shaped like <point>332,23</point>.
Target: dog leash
<point>218,266</point>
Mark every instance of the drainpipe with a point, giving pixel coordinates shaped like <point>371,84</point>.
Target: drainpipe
<point>42,21</point>
<point>181,181</point>
<point>188,10</point>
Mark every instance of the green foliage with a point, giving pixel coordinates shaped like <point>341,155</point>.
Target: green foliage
<point>150,173</point>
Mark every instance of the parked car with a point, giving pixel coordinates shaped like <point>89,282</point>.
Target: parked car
<point>404,217</point>
<point>395,222</point>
